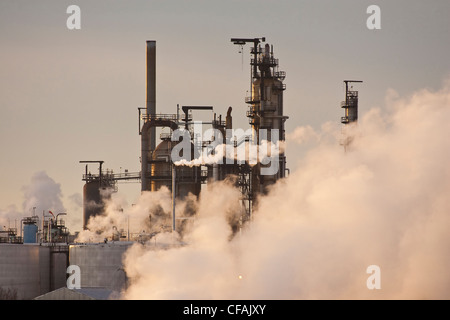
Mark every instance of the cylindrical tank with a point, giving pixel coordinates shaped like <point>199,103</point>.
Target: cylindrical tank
<point>160,168</point>
<point>30,231</point>
<point>188,178</point>
<point>92,201</point>
<point>267,95</point>
<point>101,265</point>
<point>352,106</point>
<point>24,269</point>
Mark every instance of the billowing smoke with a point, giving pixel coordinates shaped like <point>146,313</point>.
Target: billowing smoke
<point>76,200</point>
<point>208,247</point>
<point>246,152</point>
<point>384,202</point>
<point>41,195</point>
<point>150,215</point>
<point>9,217</point>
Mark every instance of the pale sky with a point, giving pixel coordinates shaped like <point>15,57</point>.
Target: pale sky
<point>70,95</point>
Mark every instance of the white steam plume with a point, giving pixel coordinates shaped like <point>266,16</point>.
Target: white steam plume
<point>206,259</point>
<point>9,217</point>
<point>250,153</point>
<point>383,202</point>
<point>43,194</point>
<point>149,216</point>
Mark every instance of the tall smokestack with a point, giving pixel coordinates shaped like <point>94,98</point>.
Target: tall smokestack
<point>151,87</point>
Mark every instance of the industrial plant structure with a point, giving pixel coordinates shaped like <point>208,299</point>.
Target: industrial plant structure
<point>35,262</point>
<point>350,106</point>
<point>158,169</point>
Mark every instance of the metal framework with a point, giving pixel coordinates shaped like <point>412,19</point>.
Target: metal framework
<point>265,112</point>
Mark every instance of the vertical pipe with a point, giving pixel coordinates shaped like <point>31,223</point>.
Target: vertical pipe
<point>151,87</point>
<point>229,119</point>
<point>174,170</point>
<point>255,57</point>
<point>100,173</point>
<point>144,157</point>
<point>43,226</point>
<point>215,172</point>
<point>148,134</point>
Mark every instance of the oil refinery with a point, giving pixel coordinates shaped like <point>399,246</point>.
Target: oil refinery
<point>158,169</point>
<point>34,261</point>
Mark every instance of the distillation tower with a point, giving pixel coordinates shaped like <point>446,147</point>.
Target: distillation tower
<point>350,106</point>
<point>265,113</point>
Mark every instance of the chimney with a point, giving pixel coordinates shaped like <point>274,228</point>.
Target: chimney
<point>151,88</point>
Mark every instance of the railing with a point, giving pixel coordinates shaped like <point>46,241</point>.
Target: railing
<point>272,62</point>
<point>149,117</point>
<point>219,123</point>
<point>348,104</point>
<point>204,173</point>
<point>279,86</point>
<point>60,223</point>
<point>280,75</point>
<point>10,236</point>
<point>112,176</point>
<point>251,100</point>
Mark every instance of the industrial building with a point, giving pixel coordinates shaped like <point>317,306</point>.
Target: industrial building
<point>158,169</point>
<point>34,262</point>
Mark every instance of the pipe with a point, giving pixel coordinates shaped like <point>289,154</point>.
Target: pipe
<point>145,155</point>
<point>174,171</point>
<point>229,119</point>
<point>151,87</point>
<point>148,132</point>
<point>215,172</point>
<point>62,214</point>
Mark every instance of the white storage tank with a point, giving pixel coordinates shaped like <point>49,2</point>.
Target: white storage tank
<point>30,270</point>
<point>24,270</point>
<point>100,264</point>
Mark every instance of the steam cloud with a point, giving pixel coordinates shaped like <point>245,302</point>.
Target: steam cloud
<point>43,193</point>
<point>264,152</point>
<point>148,217</point>
<point>384,202</point>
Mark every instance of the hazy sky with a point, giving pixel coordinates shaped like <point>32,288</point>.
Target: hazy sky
<point>70,95</point>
